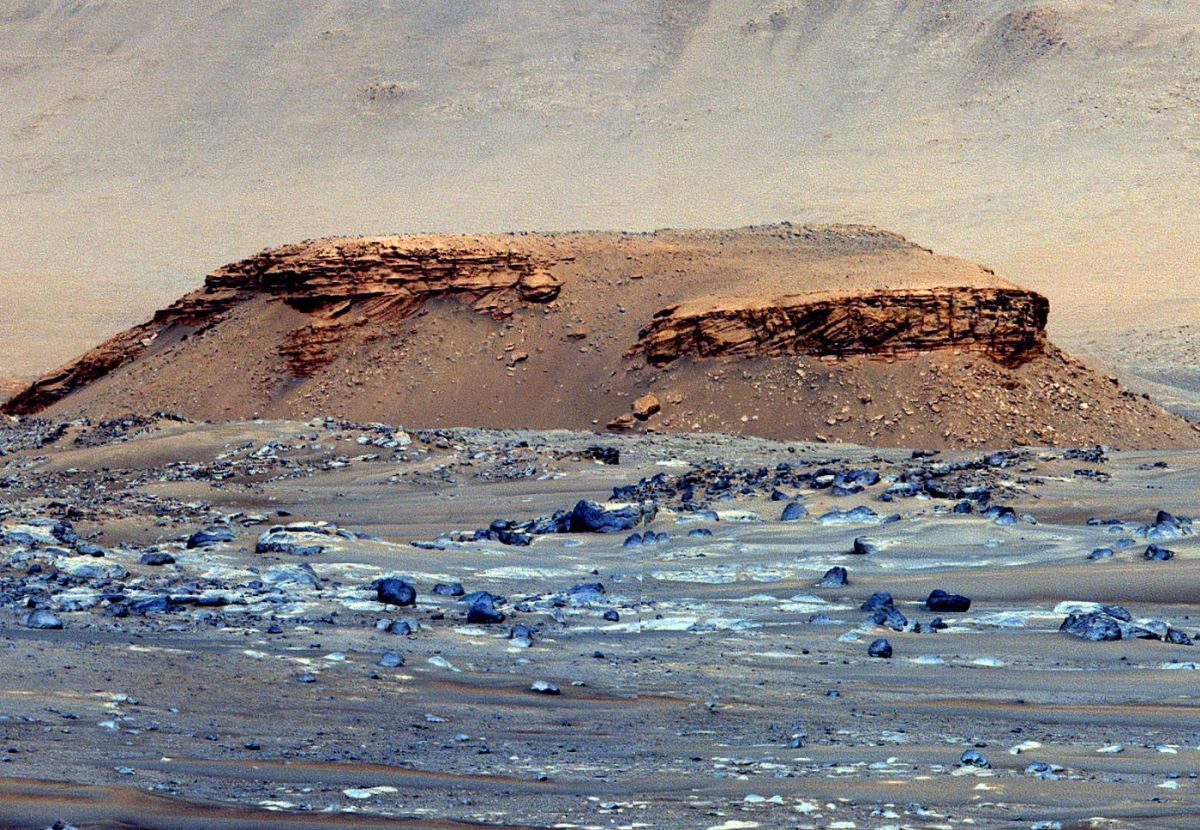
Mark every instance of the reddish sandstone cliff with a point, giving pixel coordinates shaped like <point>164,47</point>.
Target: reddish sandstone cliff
<point>691,330</point>
<point>1006,324</point>
<point>376,277</point>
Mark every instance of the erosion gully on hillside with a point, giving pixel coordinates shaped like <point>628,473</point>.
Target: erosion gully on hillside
<point>224,660</point>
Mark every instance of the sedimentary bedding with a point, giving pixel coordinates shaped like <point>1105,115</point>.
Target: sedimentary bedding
<point>835,332</point>
<point>1008,325</point>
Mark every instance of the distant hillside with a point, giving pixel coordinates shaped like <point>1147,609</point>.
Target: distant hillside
<point>800,332</point>
<point>142,142</point>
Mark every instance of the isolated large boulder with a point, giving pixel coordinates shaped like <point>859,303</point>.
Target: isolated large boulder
<point>1094,625</point>
<point>593,517</point>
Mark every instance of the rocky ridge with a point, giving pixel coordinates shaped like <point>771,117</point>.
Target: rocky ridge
<point>829,333</point>
<point>338,282</point>
<point>1008,325</point>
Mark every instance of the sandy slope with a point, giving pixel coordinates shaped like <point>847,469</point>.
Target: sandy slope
<point>573,362</point>
<point>142,143</point>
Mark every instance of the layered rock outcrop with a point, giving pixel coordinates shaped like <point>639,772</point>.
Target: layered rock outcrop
<point>1006,324</point>
<point>376,278</point>
<point>569,330</point>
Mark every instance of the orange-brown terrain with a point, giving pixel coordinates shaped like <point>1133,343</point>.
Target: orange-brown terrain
<point>10,386</point>
<point>800,332</point>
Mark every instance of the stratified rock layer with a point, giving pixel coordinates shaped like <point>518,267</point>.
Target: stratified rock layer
<point>1006,324</point>
<point>835,333</point>
<point>377,277</point>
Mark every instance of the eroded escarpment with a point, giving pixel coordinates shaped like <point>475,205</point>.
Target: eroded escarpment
<point>1006,324</point>
<point>338,283</point>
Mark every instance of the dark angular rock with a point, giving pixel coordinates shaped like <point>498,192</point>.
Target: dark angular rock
<point>156,559</point>
<point>449,589</point>
<point>1155,553</point>
<point>890,618</point>
<point>835,577</point>
<point>521,632</point>
<point>475,596</point>
<point>605,455</point>
<point>393,591</point>
<point>880,648</point>
<point>1177,637</point>
<point>793,511</point>
<point>973,758</point>
<point>587,592</point>
<point>878,601</point>
<point>483,612</point>
<point>592,517</point>
<point>944,603</point>
<point>1096,626</point>
<point>85,548</point>
<point>210,536</point>
<point>862,547</point>
<point>151,605</point>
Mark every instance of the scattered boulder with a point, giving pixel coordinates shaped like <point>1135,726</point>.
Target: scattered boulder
<point>394,591</point>
<point>483,611</point>
<point>587,592</point>
<point>880,648</point>
<point>593,517</point>
<point>973,758</point>
<point>41,619</point>
<point>793,511</point>
<point>157,559</point>
<point>210,536</point>
<point>1096,626</point>
<point>1156,553</point>
<point>646,405</point>
<point>835,577</point>
<point>862,547</point>
<point>521,635</point>
<point>890,618</point>
<point>391,660</point>
<point>878,601</point>
<point>289,539</point>
<point>944,603</point>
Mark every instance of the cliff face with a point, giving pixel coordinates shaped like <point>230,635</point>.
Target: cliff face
<point>676,330</point>
<point>1008,325</point>
<point>339,283</point>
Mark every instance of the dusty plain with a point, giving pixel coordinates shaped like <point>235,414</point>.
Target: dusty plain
<point>232,688</point>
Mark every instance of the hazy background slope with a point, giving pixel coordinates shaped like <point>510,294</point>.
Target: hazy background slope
<point>143,144</point>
